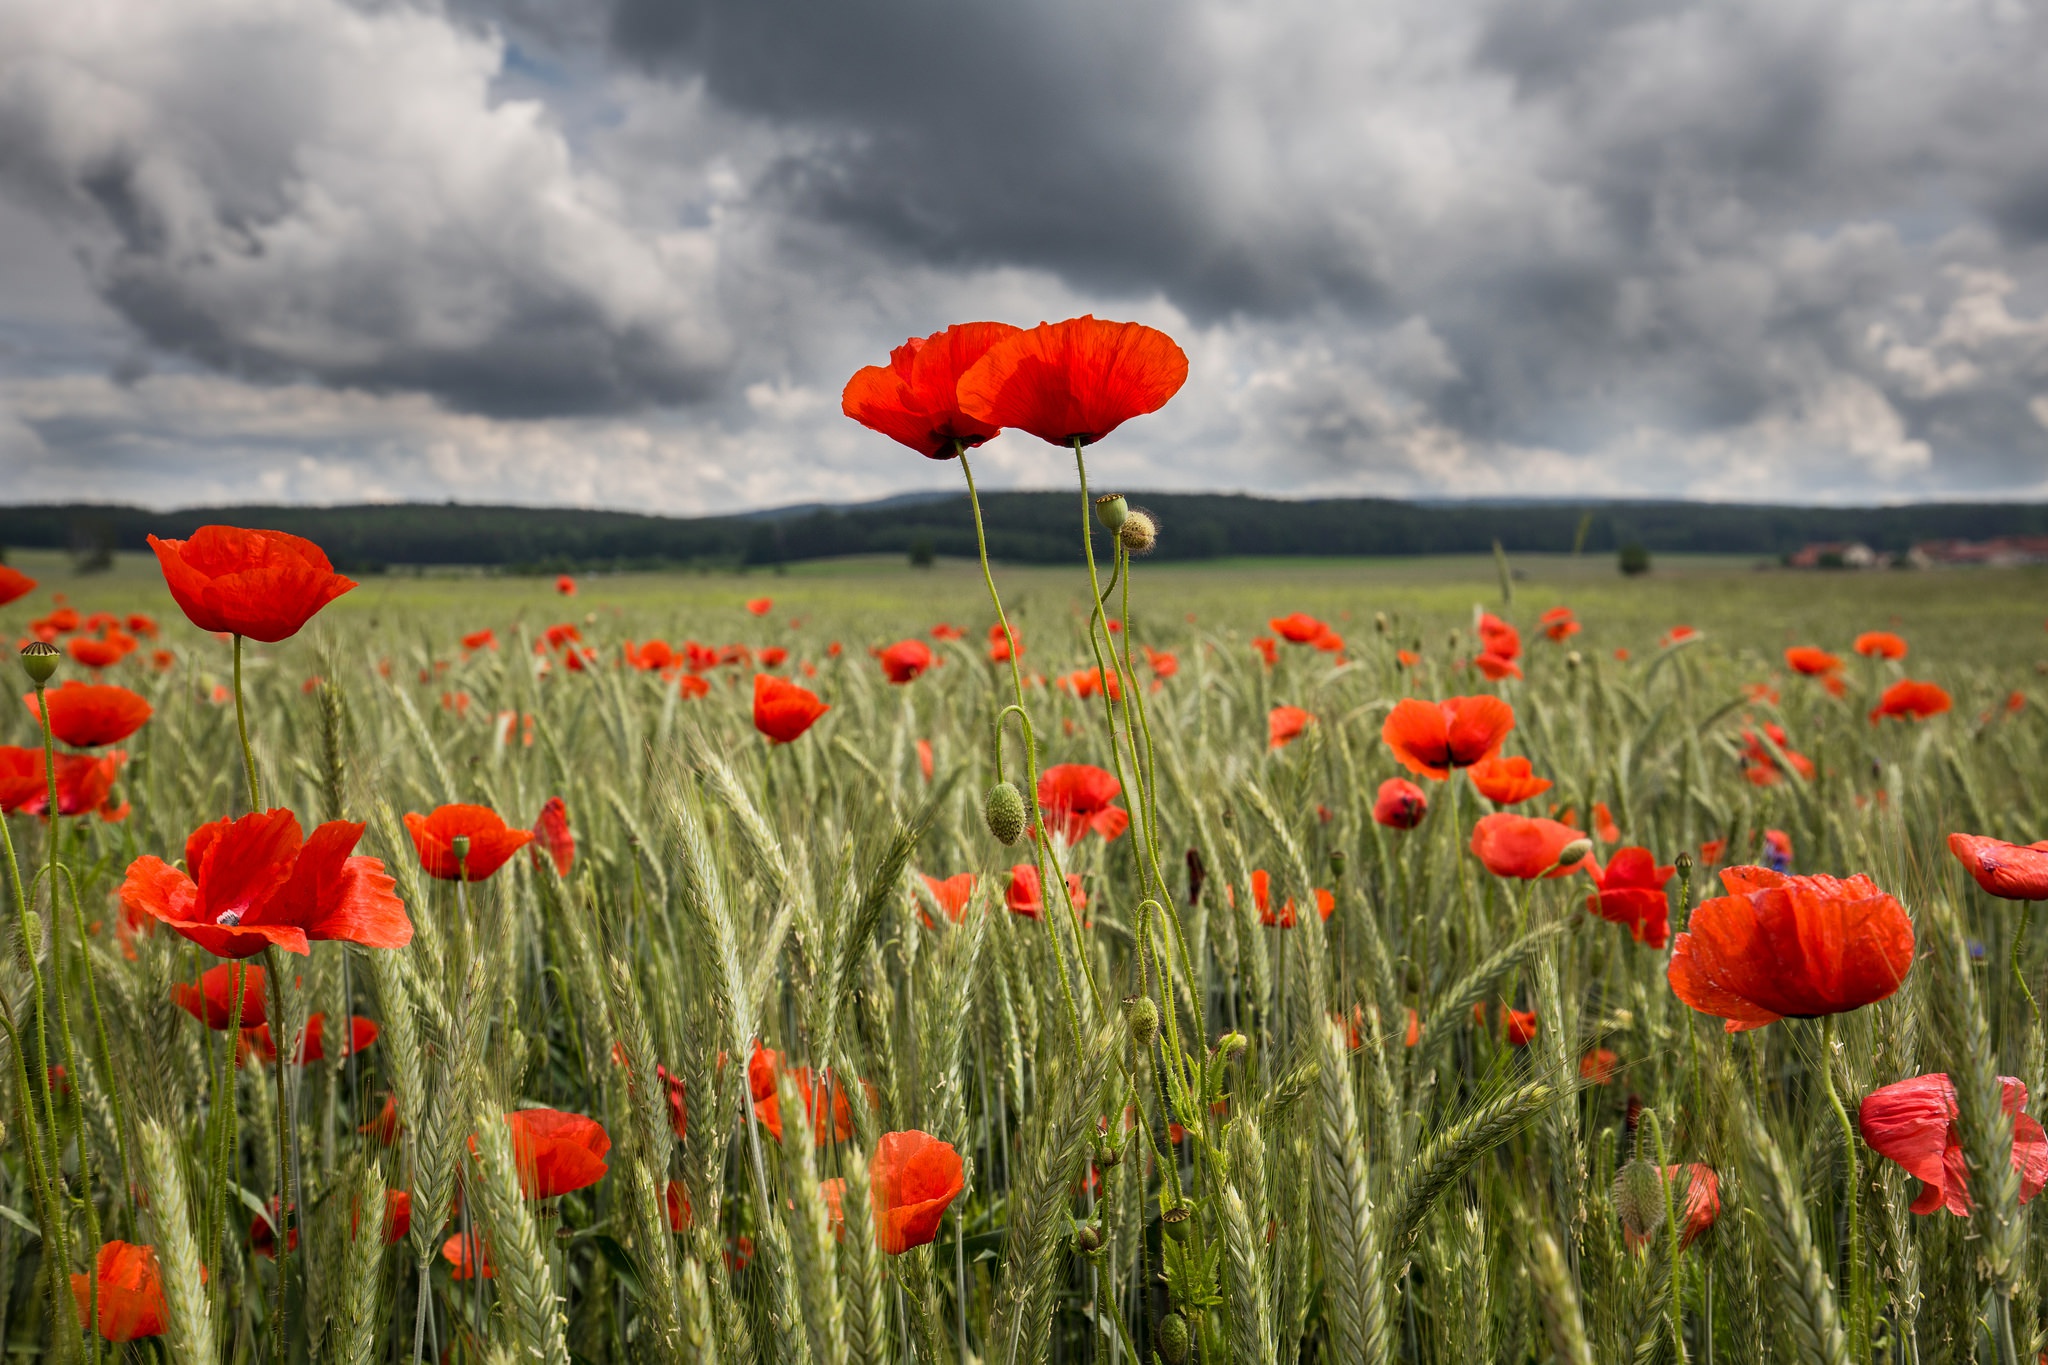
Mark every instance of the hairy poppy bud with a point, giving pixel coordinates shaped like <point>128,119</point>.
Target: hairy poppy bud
<point>1173,1339</point>
<point>39,661</point>
<point>1004,812</point>
<point>1139,532</point>
<point>1232,1045</point>
<point>1088,1237</point>
<point>1573,852</point>
<point>1178,1221</point>
<point>1111,509</point>
<point>1143,1019</point>
<point>1108,1155</point>
<point>1639,1198</point>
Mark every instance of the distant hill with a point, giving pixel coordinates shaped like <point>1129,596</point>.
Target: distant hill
<point>1022,527</point>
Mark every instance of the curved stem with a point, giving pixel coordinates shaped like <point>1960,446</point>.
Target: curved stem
<point>1858,1301</point>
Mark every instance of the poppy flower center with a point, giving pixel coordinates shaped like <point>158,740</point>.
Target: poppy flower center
<point>229,919</point>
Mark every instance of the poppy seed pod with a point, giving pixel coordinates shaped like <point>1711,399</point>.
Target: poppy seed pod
<point>1143,1019</point>
<point>1683,862</point>
<point>1573,852</point>
<point>1337,863</point>
<point>460,846</point>
<point>39,661</point>
<point>1139,533</point>
<point>1004,812</point>
<point>1639,1198</point>
<point>1111,509</point>
<point>1173,1339</point>
<point>1178,1221</point>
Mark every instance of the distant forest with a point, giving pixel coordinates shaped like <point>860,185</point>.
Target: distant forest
<point>1022,528</point>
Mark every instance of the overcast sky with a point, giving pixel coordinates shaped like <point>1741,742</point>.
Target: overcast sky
<point>625,252</point>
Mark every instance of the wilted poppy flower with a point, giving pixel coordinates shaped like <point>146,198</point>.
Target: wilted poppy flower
<point>256,882</point>
<point>556,1153</point>
<point>1071,381</point>
<point>2015,872</point>
<point>1505,781</point>
<point>468,1253</point>
<point>552,835</point>
<point>262,584</point>
<point>1630,891</point>
<point>1023,896</point>
<point>1914,1123</point>
<point>1597,1066</point>
<point>1812,662</point>
<point>1285,724</point>
<point>1433,737</point>
<point>913,1179</point>
<point>782,709</point>
<point>1778,945</point>
<point>491,841</point>
<point>1880,644</point>
<point>760,606</point>
<point>1522,846</point>
<point>1298,628</point>
<point>952,894</point>
<point>1076,798</point>
<point>1400,804</point>
<point>1910,700</point>
<point>1001,647</point>
<point>85,783</point>
<point>1499,639</point>
<point>212,1001</point>
<point>914,399</point>
<point>131,1292</point>
<point>14,584</point>
<point>313,1047</point>
<point>905,660</point>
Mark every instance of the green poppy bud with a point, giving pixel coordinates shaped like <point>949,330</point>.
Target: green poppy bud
<point>1639,1198</point>
<point>1004,812</point>
<point>1173,1340</point>
<point>39,660</point>
<point>1143,1019</point>
<point>1088,1237</point>
<point>1573,852</point>
<point>1111,509</point>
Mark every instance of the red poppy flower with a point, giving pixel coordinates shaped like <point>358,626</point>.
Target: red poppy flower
<point>262,584</point>
<point>14,584</point>
<point>397,1216</point>
<point>1558,623</point>
<point>1880,644</point>
<point>760,606</point>
<point>651,657</point>
<point>1433,737</point>
<point>1076,380</point>
<point>131,1292</point>
<point>1910,700</point>
<point>1522,846</point>
<point>556,1153</point>
<point>2015,872</point>
<point>1499,638</point>
<point>94,654</point>
<point>1268,649</point>
<point>1163,663</point>
<point>566,586</point>
<point>678,1111</point>
<point>782,709</point>
<point>1604,827</point>
<point>1000,648</point>
<point>813,1092</point>
<point>256,882</point>
<point>467,1252</point>
<point>1285,724</point>
<point>1814,663</point>
<point>772,656</point>
<point>1494,667</point>
<point>385,1128</point>
<point>263,1232</point>
<point>1088,682</point>
<point>1597,1066</point>
<point>1711,850</point>
<point>1780,945</point>
<point>480,639</point>
<point>85,783</point>
<point>552,835</point>
<point>1518,1025</point>
<point>1506,781</point>
<point>313,1046</point>
<point>690,685</point>
<point>952,894</point>
<point>762,1069</point>
<point>1630,891</point>
<point>1677,635</point>
<point>1076,799</point>
<point>1285,917</point>
<point>212,1001</point>
<point>1024,895</point>
<point>678,1200</point>
<point>905,660</point>
<point>1400,804</point>
<point>1298,628</point>
<point>1914,1123</point>
<point>914,399</point>
<point>1702,1204</point>
<point>913,1179</point>
<point>491,841</point>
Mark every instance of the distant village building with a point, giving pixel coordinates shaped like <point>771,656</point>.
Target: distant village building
<point>1834,554</point>
<point>1998,553</point>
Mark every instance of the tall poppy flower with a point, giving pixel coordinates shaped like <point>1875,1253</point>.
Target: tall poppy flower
<point>1499,638</point>
<point>1910,700</point>
<point>552,834</point>
<point>85,783</point>
<point>131,1292</point>
<point>1399,804</point>
<point>491,841</point>
<point>1813,663</point>
<point>906,660</point>
<point>782,709</point>
<point>256,881</point>
<point>952,893</point>
<point>313,1046</point>
<point>86,715</point>
<point>1003,646</point>
<point>1071,381</point>
<point>1559,625</point>
<point>913,1179</point>
<point>1076,798</point>
<point>1298,628</point>
<point>1433,737</point>
<point>1024,896</point>
<point>565,585</point>
<point>556,1153</point>
<point>760,606</point>
<point>2014,872</point>
<point>1779,945</point>
<point>1285,724</point>
<point>1506,781</point>
<point>1914,1123</point>
<point>1630,891</point>
<point>262,584</point>
<point>14,585</point>
<point>1880,644</point>
<point>212,1001</point>
<point>914,399</point>
<point>1522,846</point>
